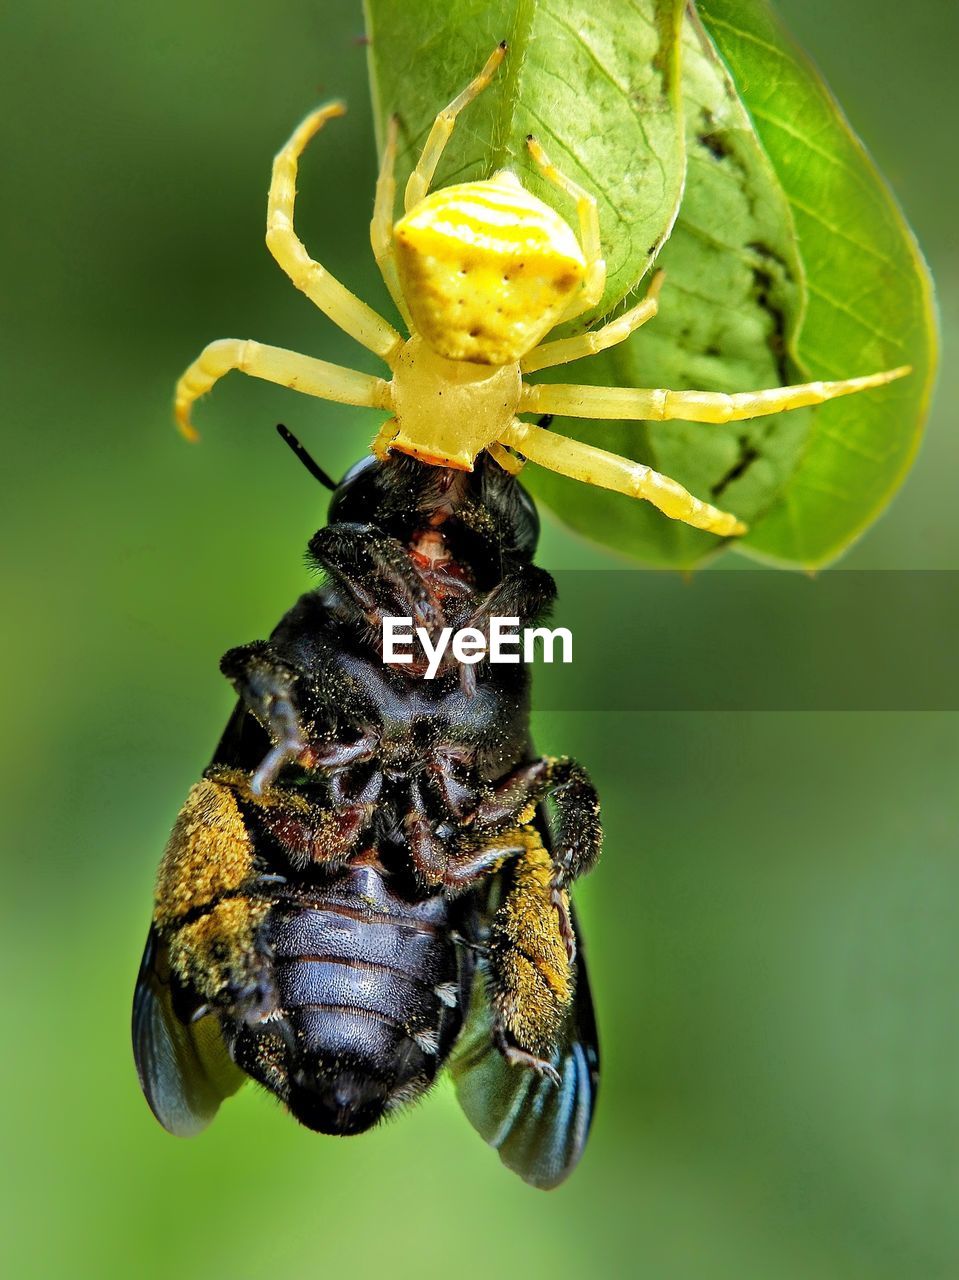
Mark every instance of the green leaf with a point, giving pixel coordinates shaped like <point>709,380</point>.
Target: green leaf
<point>729,310</point>
<point>599,88</point>
<point>870,299</point>
<point>788,260</point>
<point>773,169</point>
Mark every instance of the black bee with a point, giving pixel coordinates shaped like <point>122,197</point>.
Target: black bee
<point>365,885</point>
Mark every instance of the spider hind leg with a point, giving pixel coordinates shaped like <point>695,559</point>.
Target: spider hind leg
<point>609,471</point>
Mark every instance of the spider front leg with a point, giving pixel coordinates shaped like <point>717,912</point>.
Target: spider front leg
<point>548,354</point>
<point>325,291</point>
<point>274,364</point>
<point>381,228</point>
<point>588,212</point>
<point>609,471</point>
<point>421,177</point>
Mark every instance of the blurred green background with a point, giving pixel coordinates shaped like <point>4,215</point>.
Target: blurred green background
<point>772,930</point>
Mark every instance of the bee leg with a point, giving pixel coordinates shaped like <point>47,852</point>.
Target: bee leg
<point>430,842</point>
<point>469,944</point>
<point>425,838</point>
<point>220,957</point>
<point>530,964</point>
<point>248,987</point>
<point>338,755</point>
<point>209,910</point>
<point>525,593</point>
<point>442,857</point>
<point>307,834</point>
<point>463,868</point>
<point>375,570</point>
<point>231,964</point>
<point>578,834</point>
<point>517,1057</point>
<point>457,798</point>
<point>267,686</point>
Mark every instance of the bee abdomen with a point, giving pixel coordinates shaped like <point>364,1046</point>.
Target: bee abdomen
<point>340,1006</point>
<point>363,1019</point>
<point>330,931</point>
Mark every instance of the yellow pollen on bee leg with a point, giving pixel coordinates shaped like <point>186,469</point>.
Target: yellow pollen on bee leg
<point>209,853</point>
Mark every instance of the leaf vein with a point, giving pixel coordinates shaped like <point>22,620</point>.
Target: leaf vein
<point>829,156</point>
<point>894,340</point>
<point>887,262</point>
<point>750,38</point>
<point>853,446</point>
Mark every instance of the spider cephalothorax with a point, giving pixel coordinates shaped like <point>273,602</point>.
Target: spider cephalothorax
<point>481,272</point>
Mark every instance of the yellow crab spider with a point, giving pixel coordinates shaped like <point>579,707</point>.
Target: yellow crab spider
<point>481,272</point>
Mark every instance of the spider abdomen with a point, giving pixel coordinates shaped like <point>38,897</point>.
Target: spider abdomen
<point>487,269</point>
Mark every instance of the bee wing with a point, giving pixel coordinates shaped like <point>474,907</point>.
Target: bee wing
<point>184,1068</point>
<point>539,1128</point>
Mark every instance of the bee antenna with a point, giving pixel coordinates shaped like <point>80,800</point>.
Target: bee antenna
<point>314,468</point>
